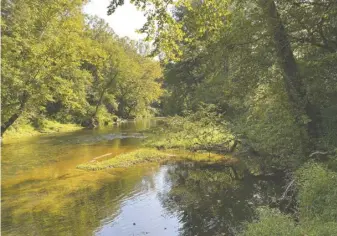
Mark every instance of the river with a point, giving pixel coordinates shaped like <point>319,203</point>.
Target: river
<point>44,194</point>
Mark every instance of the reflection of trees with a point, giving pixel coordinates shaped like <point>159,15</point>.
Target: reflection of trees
<point>210,201</point>
<point>37,202</point>
<point>80,215</point>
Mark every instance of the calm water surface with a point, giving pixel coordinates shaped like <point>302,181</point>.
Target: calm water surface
<point>44,194</point>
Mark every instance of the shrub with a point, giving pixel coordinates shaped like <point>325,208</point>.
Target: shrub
<point>317,198</point>
<point>272,222</point>
<point>203,129</point>
<point>317,193</point>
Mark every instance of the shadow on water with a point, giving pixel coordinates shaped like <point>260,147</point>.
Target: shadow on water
<point>191,199</point>
<point>44,194</point>
<point>212,202</point>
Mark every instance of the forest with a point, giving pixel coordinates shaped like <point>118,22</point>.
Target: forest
<point>256,79</point>
<point>60,65</point>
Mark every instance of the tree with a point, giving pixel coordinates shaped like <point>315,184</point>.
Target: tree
<point>123,80</point>
<point>59,64</point>
<point>253,60</point>
<point>42,50</point>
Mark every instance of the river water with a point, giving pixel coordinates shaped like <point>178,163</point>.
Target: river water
<point>44,194</point>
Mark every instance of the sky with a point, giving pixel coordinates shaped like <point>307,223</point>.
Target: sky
<point>124,21</point>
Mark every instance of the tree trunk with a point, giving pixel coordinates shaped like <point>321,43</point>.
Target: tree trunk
<point>286,59</point>
<point>93,118</point>
<point>15,116</point>
<point>292,79</point>
<point>232,148</point>
<point>8,123</point>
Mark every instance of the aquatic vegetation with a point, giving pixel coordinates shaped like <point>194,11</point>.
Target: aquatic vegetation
<point>127,159</point>
<point>145,155</point>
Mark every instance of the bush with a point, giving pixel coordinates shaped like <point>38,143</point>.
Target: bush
<point>104,117</point>
<point>203,129</point>
<point>272,222</point>
<point>317,197</point>
<point>317,193</point>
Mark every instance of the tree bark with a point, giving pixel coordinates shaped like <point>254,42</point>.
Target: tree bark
<point>101,98</point>
<point>292,78</point>
<point>286,59</point>
<point>15,116</point>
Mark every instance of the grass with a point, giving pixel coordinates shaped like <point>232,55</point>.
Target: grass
<point>24,130</point>
<point>146,155</point>
<point>49,126</point>
<point>127,159</point>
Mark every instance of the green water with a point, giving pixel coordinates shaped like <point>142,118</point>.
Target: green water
<point>44,194</point>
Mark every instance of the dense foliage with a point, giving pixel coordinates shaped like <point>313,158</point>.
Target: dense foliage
<point>61,65</point>
<point>204,129</point>
<point>269,69</point>
<point>268,66</point>
<point>317,207</point>
<point>256,76</point>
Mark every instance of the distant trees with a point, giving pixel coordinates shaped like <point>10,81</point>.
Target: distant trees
<point>125,83</point>
<point>59,64</point>
<point>42,49</point>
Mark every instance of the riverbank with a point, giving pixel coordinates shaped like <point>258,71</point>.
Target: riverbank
<point>146,155</point>
<point>21,131</point>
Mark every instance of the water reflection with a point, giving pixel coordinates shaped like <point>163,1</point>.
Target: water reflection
<point>189,199</point>
<point>143,213</point>
<point>74,148</point>
<point>44,194</point>
<point>73,211</point>
<point>211,201</point>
